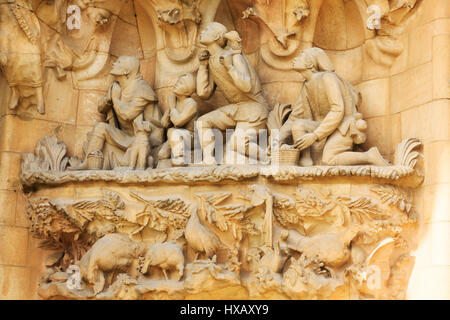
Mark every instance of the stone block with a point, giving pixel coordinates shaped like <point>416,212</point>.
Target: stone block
<point>125,40</point>
<point>441,67</point>
<point>14,283</point>
<point>375,97</point>
<point>420,45</point>
<point>87,114</point>
<point>13,245</point>
<point>35,129</point>
<point>348,64</point>
<point>411,88</point>
<point>436,160</point>
<point>8,207</point>
<point>378,133</point>
<point>9,170</point>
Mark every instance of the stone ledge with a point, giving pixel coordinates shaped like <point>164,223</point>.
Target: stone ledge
<point>399,175</point>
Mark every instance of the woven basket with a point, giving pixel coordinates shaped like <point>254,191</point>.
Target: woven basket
<point>286,157</point>
<point>95,160</point>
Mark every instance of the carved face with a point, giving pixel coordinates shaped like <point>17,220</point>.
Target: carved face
<point>185,85</point>
<point>119,67</point>
<point>301,63</point>
<point>212,32</point>
<point>125,65</point>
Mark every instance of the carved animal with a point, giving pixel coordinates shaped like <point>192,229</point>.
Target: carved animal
<point>166,255</point>
<point>113,252</point>
<point>273,261</point>
<point>331,249</point>
<point>200,238</point>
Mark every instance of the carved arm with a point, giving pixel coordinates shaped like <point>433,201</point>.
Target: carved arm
<point>334,117</point>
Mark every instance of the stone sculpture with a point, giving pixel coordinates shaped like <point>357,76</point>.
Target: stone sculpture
<point>83,52</point>
<point>113,252</point>
<point>224,230</point>
<point>326,115</point>
<point>239,82</point>
<point>182,114</point>
<point>166,256</point>
<point>20,52</point>
<point>131,112</point>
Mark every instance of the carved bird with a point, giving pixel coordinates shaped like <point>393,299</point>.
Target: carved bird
<point>331,249</point>
<point>200,238</point>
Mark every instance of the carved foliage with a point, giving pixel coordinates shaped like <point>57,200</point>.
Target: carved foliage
<point>49,155</point>
<point>394,196</point>
<point>162,214</point>
<point>226,217</point>
<point>308,205</point>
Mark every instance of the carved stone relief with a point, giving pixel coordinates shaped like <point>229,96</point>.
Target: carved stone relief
<point>300,245</point>
<point>243,198</point>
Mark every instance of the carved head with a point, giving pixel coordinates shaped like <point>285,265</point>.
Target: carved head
<point>185,85</point>
<point>233,40</point>
<point>213,32</point>
<point>125,65</point>
<point>314,59</point>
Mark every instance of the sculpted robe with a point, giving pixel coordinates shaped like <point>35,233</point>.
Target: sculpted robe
<point>137,98</point>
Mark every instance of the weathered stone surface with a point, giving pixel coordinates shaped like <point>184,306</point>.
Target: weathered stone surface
<point>139,88</point>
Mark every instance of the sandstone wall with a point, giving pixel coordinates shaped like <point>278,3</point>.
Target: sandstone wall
<point>409,99</point>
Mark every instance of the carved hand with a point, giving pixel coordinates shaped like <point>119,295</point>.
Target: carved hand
<point>306,141</point>
<point>203,57</point>
<point>165,120</point>
<point>115,91</point>
<point>226,60</point>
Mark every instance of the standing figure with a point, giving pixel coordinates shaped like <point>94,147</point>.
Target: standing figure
<point>240,84</point>
<point>20,52</point>
<point>182,114</point>
<point>335,122</point>
<point>130,108</point>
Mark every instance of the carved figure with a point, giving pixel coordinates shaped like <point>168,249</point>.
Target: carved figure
<point>282,27</point>
<point>167,256</point>
<point>329,115</point>
<point>113,252</point>
<point>138,154</point>
<point>20,52</point>
<point>393,17</point>
<point>129,102</point>
<point>182,114</point>
<point>332,249</point>
<point>273,260</point>
<point>240,84</point>
<point>85,54</point>
<point>200,238</point>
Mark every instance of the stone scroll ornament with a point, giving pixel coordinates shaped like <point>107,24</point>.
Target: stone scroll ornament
<point>388,19</point>
<point>313,218</point>
<point>282,30</point>
<point>84,55</point>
